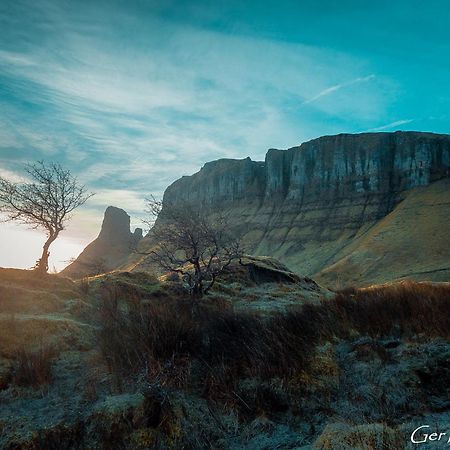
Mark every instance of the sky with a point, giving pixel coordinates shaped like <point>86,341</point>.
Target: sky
<point>131,95</point>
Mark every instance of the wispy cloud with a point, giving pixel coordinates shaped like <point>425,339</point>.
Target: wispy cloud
<point>15,59</point>
<point>111,107</point>
<point>131,111</point>
<point>391,125</point>
<point>337,87</point>
<point>12,176</point>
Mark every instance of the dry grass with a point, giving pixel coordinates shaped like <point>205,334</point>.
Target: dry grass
<point>17,334</point>
<point>166,339</point>
<point>35,280</point>
<point>212,349</point>
<point>401,309</point>
<point>34,368</point>
<point>374,436</point>
<point>24,291</point>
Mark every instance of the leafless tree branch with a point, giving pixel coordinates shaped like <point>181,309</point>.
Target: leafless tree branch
<point>190,242</point>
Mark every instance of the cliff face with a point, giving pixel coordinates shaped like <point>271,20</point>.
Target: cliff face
<point>305,205</point>
<point>110,249</point>
<point>330,167</point>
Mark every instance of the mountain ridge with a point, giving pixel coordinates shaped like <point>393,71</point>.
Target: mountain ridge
<point>307,204</point>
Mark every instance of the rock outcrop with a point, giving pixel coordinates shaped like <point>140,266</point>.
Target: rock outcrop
<point>111,248</point>
<point>306,205</point>
<point>328,168</point>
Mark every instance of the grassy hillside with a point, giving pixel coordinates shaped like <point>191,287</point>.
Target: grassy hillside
<point>125,360</point>
<point>413,241</point>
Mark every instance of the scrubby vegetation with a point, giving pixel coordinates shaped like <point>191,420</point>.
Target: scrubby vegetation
<point>127,361</point>
<point>226,346</point>
<point>400,309</point>
<point>263,365</point>
<point>144,336</point>
<point>33,368</point>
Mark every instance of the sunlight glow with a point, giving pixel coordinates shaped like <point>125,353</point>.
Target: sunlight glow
<point>21,248</point>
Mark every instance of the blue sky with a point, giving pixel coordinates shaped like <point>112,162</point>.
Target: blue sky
<point>133,94</point>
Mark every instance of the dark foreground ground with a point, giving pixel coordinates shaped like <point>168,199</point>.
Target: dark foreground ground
<point>126,361</point>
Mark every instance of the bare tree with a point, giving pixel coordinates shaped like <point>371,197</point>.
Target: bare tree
<point>45,202</point>
<point>191,243</point>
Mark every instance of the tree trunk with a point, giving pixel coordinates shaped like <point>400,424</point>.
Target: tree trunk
<point>42,264</point>
<point>211,283</point>
<point>197,289</point>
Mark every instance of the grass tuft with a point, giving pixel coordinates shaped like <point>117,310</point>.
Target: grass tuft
<point>34,368</point>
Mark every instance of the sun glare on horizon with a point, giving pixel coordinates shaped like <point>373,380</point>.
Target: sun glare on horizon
<point>23,248</point>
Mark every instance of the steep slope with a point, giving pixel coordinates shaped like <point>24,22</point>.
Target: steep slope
<point>413,241</point>
<point>110,249</point>
<point>307,206</point>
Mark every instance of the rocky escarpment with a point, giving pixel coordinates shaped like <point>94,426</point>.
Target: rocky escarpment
<point>330,167</point>
<point>110,249</point>
<point>307,204</point>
